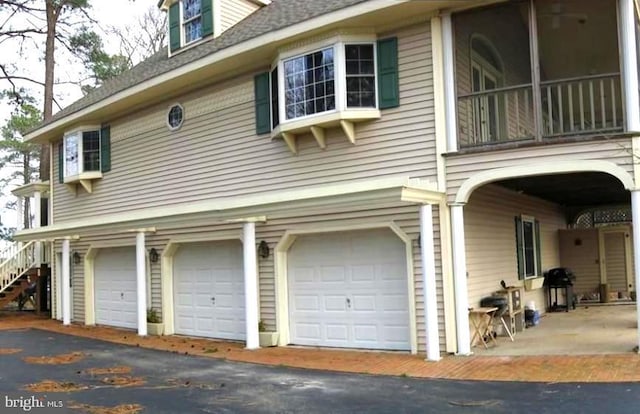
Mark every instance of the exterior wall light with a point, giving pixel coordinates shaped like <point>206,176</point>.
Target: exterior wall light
<point>263,249</point>
<point>76,258</point>
<point>153,255</point>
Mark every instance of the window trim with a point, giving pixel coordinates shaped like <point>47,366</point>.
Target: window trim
<point>166,118</point>
<point>81,175</point>
<point>536,249</point>
<point>341,110</point>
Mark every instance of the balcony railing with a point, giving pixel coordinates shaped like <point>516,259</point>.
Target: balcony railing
<point>585,105</point>
<point>589,105</point>
<point>497,115</point>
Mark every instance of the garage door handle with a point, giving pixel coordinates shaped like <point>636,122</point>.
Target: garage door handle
<point>121,295</point>
<point>348,303</point>
<point>213,300</point>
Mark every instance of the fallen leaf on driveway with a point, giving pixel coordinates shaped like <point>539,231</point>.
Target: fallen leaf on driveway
<point>124,381</point>
<point>56,359</point>
<point>105,371</point>
<point>54,386</point>
<point>119,409</point>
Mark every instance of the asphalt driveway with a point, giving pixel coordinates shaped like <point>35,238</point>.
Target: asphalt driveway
<point>162,382</point>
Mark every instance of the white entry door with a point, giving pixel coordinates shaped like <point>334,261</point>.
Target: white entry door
<point>115,287</point>
<point>349,290</point>
<point>209,290</point>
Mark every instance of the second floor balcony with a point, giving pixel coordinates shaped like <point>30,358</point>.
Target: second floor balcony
<point>538,70</point>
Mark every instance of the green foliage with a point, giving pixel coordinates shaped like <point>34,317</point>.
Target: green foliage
<point>89,48</point>
<point>18,159</point>
<point>152,316</point>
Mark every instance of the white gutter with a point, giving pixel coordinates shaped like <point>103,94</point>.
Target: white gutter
<point>216,57</point>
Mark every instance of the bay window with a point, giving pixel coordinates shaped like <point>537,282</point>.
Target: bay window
<point>343,80</point>
<point>83,155</point>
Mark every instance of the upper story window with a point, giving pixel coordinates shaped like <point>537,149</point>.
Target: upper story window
<point>309,84</point>
<point>189,21</point>
<point>343,80</point>
<point>84,154</point>
<point>81,152</point>
<point>192,20</point>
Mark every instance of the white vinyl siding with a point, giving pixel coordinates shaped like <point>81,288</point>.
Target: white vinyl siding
<point>216,154</point>
<point>232,11</point>
<point>461,167</point>
<point>490,240</point>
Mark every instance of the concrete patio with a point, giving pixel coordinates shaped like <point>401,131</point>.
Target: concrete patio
<point>588,330</point>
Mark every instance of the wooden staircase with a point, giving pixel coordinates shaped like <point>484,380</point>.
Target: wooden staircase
<point>17,272</point>
<point>15,291</point>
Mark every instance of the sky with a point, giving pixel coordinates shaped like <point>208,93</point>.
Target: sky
<point>116,13</point>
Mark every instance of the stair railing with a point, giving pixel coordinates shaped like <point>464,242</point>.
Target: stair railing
<point>20,258</point>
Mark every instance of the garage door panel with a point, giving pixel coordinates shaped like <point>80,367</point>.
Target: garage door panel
<point>393,303</point>
<point>366,333</point>
<point>309,330</point>
<point>306,303</point>
<point>362,289</point>
<point>331,274</point>
<point>364,303</point>
<point>209,286</point>
<point>363,273</point>
<point>337,332</point>
<point>115,287</point>
<point>334,303</point>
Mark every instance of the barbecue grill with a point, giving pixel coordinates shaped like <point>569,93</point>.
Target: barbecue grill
<point>559,278</point>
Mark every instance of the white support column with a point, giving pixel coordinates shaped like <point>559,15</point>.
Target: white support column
<point>635,211</point>
<point>20,216</point>
<point>250,284</point>
<point>36,224</point>
<point>629,57</point>
<point>141,285</point>
<point>427,252</point>
<point>449,83</point>
<point>66,288</point>
<point>460,279</point>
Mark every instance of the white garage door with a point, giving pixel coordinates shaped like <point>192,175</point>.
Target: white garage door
<point>115,287</point>
<point>209,290</point>
<point>349,290</point>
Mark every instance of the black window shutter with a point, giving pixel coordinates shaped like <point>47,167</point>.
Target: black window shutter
<point>388,89</point>
<point>538,249</point>
<point>61,162</point>
<point>207,17</point>
<point>262,98</point>
<point>174,27</point>
<point>519,247</point>
<point>105,149</point>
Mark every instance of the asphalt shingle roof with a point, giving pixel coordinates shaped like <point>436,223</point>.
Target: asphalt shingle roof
<point>278,15</point>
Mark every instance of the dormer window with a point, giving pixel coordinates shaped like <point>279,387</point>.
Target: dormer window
<point>189,22</point>
<point>192,20</point>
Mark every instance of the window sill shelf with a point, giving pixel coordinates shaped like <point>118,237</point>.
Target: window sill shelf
<point>85,179</point>
<point>316,125</point>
